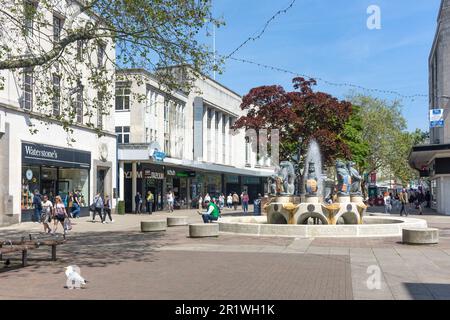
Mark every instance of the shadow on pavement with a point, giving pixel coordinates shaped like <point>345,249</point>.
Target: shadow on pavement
<point>92,249</point>
<point>428,291</point>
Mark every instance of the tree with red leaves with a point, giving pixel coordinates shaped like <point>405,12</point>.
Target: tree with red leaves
<point>300,116</point>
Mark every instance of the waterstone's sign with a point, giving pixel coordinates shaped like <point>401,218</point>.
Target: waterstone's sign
<point>33,153</point>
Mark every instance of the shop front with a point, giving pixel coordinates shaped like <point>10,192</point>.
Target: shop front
<point>53,171</point>
<point>433,162</point>
<point>149,177</point>
<point>178,181</point>
<point>253,186</point>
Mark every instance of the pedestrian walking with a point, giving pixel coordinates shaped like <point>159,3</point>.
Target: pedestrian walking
<point>170,200</point>
<point>98,206</point>
<point>428,198</point>
<point>37,204</point>
<point>60,214</point>
<point>235,200</point>
<point>150,198</point>
<point>47,213</point>
<point>76,208</point>
<point>138,203</point>
<point>403,197</point>
<point>229,201</point>
<point>245,199</point>
<point>221,201</point>
<point>387,203</point>
<point>107,209</point>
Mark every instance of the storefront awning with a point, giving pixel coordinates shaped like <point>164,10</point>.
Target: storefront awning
<point>140,153</point>
<point>422,155</point>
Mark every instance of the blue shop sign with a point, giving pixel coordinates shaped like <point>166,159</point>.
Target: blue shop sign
<point>159,155</point>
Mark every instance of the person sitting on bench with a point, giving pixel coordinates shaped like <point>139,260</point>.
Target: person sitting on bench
<point>212,212</point>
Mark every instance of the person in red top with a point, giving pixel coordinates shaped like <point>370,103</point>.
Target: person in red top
<point>245,199</point>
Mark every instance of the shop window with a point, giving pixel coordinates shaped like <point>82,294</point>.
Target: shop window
<point>57,26</point>
<point>30,182</point>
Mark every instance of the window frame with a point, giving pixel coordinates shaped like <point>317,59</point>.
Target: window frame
<point>123,97</point>
<point>28,89</point>
<point>56,100</point>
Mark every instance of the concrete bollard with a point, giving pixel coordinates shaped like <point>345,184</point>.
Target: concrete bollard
<point>151,226</point>
<point>200,230</point>
<point>176,221</point>
<point>420,236</point>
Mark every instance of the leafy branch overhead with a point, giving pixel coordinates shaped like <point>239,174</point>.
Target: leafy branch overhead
<point>151,34</point>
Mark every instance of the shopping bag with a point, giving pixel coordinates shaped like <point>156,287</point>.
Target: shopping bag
<point>67,224</point>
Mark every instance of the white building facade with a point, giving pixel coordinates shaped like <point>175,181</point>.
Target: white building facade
<point>433,159</point>
<point>201,154</point>
<point>36,153</point>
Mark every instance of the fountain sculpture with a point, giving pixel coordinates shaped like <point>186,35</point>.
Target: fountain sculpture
<point>285,208</point>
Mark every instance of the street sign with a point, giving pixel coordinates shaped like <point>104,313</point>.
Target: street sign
<point>436,118</point>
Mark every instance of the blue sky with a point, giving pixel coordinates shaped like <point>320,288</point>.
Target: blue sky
<point>329,39</point>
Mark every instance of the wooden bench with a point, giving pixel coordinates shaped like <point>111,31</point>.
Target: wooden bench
<point>47,241</point>
<point>16,248</point>
<point>11,246</point>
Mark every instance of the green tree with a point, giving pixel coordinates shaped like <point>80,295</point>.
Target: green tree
<point>353,135</point>
<point>384,134</point>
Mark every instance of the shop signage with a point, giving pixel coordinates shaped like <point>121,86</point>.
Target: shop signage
<point>33,153</point>
<point>149,174</point>
<point>159,155</point>
<point>186,174</point>
<point>170,172</point>
<point>436,118</point>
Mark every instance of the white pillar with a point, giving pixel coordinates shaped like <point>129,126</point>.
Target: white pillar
<point>205,135</point>
<point>121,181</point>
<point>227,139</point>
<point>213,137</point>
<point>133,184</point>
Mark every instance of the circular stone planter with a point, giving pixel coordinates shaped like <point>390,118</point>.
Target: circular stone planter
<point>176,221</point>
<point>152,226</point>
<point>420,236</point>
<point>201,230</point>
<point>371,227</point>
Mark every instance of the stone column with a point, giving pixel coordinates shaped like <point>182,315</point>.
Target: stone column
<point>121,181</point>
<point>133,184</point>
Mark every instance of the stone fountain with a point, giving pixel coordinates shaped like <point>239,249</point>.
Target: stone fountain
<point>286,215</point>
<point>285,208</point>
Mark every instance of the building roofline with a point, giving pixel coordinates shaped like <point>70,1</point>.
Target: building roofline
<point>436,35</point>
<point>209,78</point>
<point>148,74</point>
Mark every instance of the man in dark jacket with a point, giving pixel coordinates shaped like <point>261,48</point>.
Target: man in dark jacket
<point>138,203</point>
<point>37,204</point>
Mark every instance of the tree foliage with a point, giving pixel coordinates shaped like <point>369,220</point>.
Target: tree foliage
<point>384,134</point>
<point>150,34</point>
<point>299,115</point>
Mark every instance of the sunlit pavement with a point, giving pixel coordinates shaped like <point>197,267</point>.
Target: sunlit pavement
<point>120,262</point>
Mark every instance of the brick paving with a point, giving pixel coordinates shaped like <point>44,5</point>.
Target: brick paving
<point>122,263</point>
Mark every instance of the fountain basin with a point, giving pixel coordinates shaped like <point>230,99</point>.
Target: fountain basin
<point>371,227</point>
